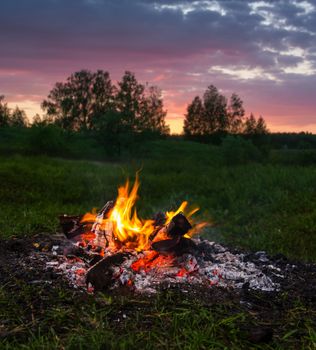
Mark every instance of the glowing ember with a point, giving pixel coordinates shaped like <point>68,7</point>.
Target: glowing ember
<point>152,260</point>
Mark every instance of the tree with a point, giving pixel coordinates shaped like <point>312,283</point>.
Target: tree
<point>4,113</point>
<point>152,112</point>
<point>193,122</point>
<point>255,127</point>
<point>37,120</point>
<point>215,118</point>
<point>261,127</point>
<point>208,116</point>
<point>129,101</point>
<point>250,125</point>
<point>18,118</point>
<point>141,107</point>
<point>236,114</point>
<point>74,104</point>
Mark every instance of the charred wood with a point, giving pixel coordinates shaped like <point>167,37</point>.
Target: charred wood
<point>178,226</point>
<point>101,274</point>
<point>166,245</point>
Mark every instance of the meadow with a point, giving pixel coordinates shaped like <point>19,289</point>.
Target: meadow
<point>258,206</point>
<point>254,205</point>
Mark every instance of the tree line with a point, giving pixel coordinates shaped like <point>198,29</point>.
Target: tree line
<point>89,102</point>
<point>213,114</point>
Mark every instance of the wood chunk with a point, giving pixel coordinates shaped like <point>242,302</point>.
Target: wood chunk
<point>68,222</point>
<point>159,219</point>
<point>101,274</point>
<point>72,226</point>
<point>178,226</point>
<point>102,235</point>
<point>177,246</point>
<point>166,245</point>
<point>185,246</point>
<point>106,209</point>
<point>95,260</point>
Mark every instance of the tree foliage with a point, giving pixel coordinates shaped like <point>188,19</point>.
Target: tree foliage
<point>37,120</point>
<point>87,97</point>
<point>215,118</point>
<point>236,113</point>
<point>253,126</point>
<point>16,118</point>
<point>4,113</point>
<point>193,122</point>
<point>129,100</point>
<point>153,113</point>
<point>74,104</point>
<point>109,129</point>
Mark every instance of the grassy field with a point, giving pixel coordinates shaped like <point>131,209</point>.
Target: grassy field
<point>257,206</point>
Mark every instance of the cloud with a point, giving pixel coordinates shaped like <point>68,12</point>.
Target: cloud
<point>244,73</point>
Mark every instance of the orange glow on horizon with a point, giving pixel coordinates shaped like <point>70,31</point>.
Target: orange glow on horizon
<point>30,107</point>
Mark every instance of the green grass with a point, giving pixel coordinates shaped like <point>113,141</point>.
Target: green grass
<point>255,206</point>
<point>166,321</point>
<point>266,206</point>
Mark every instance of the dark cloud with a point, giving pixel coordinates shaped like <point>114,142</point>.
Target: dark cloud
<point>287,60</point>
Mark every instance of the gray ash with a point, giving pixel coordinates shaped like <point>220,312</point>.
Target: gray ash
<point>212,265</point>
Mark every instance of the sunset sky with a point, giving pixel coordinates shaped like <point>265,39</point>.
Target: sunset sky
<point>265,51</point>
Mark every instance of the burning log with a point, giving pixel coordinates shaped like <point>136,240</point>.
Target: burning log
<point>177,244</point>
<point>178,226</point>
<point>166,245</point>
<point>74,227</point>
<point>102,235</point>
<point>159,219</point>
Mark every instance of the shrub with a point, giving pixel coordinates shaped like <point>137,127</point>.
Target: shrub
<point>236,150</point>
<point>47,139</point>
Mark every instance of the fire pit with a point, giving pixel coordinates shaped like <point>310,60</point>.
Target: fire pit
<point>114,248</point>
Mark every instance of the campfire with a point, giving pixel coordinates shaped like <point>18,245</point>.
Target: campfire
<point>115,248</point>
<point>117,226</point>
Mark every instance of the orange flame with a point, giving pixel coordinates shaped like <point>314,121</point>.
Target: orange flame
<point>126,227</point>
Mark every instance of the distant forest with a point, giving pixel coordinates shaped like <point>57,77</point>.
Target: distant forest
<point>90,101</point>
<point>127,112</point>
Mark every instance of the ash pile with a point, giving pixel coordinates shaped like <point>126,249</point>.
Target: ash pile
<point>94,259</point>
